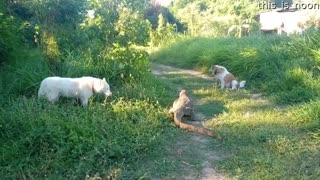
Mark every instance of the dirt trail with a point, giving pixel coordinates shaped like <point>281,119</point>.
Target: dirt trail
<point>159,69</point>
<point>196,153</point>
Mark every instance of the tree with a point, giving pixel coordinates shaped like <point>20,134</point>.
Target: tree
<point>132,28</point>
<point>215,17</point>
<point>9,33</point>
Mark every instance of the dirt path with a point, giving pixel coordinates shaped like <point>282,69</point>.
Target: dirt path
<point>159,69</point>
<point>195,154</point>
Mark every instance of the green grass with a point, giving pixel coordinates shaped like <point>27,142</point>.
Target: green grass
<point>65,140</point>
<point>285,68</point>
<point>274,137</point>
<point>131,137</point>
<point>263,140</point>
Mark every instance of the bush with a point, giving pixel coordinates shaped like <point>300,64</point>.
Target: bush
<point>40,140</point>
<point>9,39</point>
<point>24,77</point>
<point>283,67</point>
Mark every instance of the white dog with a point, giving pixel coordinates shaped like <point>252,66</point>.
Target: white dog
<point>225,78</point>
<point>82,88</point>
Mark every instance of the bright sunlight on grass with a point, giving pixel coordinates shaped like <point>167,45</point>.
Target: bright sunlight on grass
<point>271,127</point>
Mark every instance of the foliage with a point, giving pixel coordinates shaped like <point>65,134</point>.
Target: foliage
<point>53,11</point>
<point>70,141</point>
<point>131,28</point>
<point>8,31</point>
<point>153,14</point>
<point>286,68</point>
<point>307,115</point>
<point>51,48</point>
<point>262,139</point>
<point>104,38</point>
<point>215,18</point>
<point>65,140</point>
<point>164,33</point>
<point>23,77</point>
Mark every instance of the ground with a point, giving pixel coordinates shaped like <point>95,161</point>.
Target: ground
<point>194,154</point>
<point>262,139</point>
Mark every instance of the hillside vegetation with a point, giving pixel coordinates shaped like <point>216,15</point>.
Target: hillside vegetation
<point>64,140</point>
<point>262,139</point>
<point>275,135</point>
<point>130,136</point>
<point>286,68</point>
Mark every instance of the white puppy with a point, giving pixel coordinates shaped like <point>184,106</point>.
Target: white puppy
<point>225,78</point>
<point>82,88</point>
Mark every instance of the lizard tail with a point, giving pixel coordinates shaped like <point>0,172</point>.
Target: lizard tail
<point>177,120</point>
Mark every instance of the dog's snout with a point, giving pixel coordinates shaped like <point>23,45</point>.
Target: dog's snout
<point>109,93</point>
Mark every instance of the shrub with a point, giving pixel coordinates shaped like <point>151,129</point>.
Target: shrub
<point>283,67</point>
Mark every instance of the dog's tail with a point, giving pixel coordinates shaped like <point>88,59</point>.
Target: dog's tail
<point>242,84</point>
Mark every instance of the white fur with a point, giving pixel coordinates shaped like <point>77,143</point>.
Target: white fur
<point>52,88</point>
<point>234,83</point>
<point>221,76</point>
<point>242,84</point>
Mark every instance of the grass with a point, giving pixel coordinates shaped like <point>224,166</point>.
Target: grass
<point>263,139</point>
<point>273,137</point>
<point>130,136</point>
<point>285,68</point>
<point>64,140</point>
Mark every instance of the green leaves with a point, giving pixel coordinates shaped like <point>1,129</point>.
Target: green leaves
<point>10,39</point>
<point>132,28</point>
<point>215,18</point>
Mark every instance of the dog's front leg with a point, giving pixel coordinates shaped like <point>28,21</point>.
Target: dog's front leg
<point>222,84</point>
<point>217,81</point>
<point>84,101</point>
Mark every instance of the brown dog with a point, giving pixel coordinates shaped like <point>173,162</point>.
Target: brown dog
<point>225,78</point>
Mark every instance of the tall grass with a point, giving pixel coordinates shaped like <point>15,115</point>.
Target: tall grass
<point>24,74</point>
<point>41,140</point>
<point>284,67</point>
<point>263,140</point>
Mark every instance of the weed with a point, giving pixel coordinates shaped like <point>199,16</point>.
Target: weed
<point>282,67</point>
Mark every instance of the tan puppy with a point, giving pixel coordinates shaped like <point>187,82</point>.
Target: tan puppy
<point>225,78</point>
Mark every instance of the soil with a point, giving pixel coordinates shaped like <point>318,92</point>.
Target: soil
<point>195,154</point>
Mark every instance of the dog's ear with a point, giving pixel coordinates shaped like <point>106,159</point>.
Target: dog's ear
<point>219,70</point>
<point>104,79</point>
<point>182,92</point>
<point>215,69</point>
<point>212,69</point>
